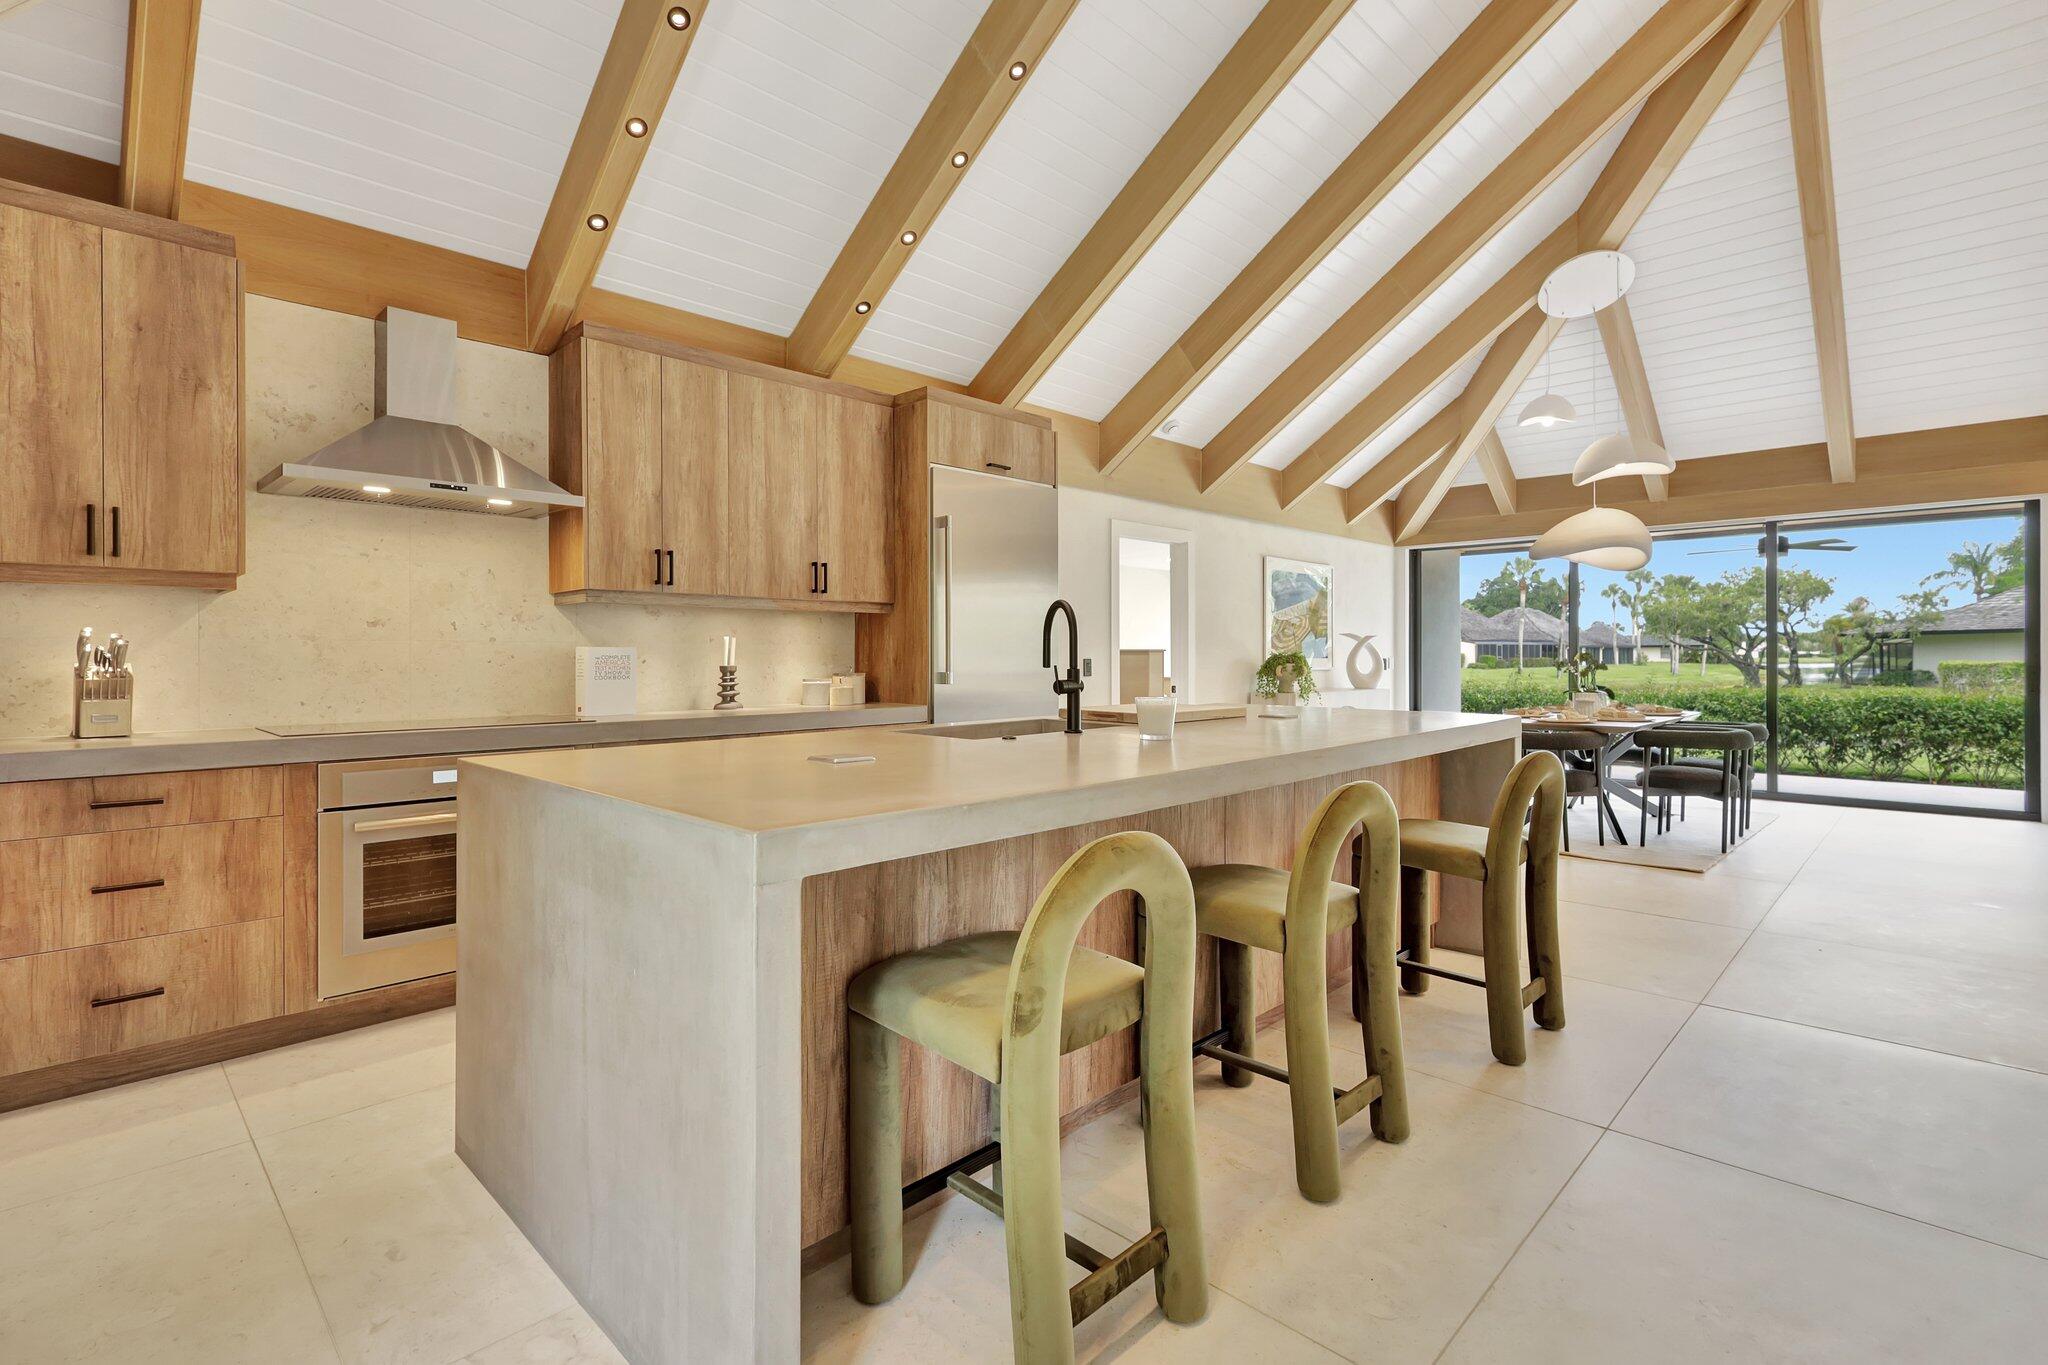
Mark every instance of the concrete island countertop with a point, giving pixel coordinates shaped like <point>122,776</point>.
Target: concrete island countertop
<point>31,760</point>
<point>803,817</point>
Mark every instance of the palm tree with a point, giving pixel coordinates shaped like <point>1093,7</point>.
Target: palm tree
<point>1522,570</point>
<point>1975,564</point>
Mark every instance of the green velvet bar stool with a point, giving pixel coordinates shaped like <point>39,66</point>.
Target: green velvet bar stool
<point>1513,857</point>
<point>1007,1006</point>
<point>1245,906</point>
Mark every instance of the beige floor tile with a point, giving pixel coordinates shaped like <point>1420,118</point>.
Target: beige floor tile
<point>1390,1269</point>
<point>71,1144</point>
<point>1644,952</point>
<point>1716,897</point>
<point>2008,931</point>
<point>316,1080</point>
<point>1921,875</point>
<point>1946,1140</point>
<point>412,1258</point>
<point>189,1262</point>
<point>955,1305</point>
<point>567,1338</point>
<point>1655,1255</point>
<point>1981,1011</point>
<point>1584,1071</point>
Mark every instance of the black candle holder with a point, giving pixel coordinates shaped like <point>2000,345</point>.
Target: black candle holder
<point>728,688</point>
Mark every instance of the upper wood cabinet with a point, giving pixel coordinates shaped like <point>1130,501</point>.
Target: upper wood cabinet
<point>967,433</point>
<point>706,476</point>
<point>120,396</point>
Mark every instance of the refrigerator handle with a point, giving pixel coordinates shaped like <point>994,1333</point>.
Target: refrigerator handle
<point>942,571</point>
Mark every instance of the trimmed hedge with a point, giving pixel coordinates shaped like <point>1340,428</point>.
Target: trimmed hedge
<point>1959,676</point>
<point>1890,733</point>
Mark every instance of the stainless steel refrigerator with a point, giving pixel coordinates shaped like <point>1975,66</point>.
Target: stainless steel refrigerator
<point>995,548</point>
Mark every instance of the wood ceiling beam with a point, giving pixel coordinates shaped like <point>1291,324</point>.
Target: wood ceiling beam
<point>1485,318</point>
<point>633,87</point>
<point>1474,62</point>
<point>1258,67</point>
<point>1631,385</point>
<point>1508,361</point>
<point>1649,57</point>
<point>1814,168</point>
<point>975,95</point>
<point>163,45</point>
<point>1499,471</point>
<point>1948,465</point>
<point>1384,478</point>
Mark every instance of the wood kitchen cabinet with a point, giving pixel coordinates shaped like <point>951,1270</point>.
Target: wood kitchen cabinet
<point>120,396</point>
<point>710,477</point>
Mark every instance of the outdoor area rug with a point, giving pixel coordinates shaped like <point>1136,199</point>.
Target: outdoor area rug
<point>1692,845</point>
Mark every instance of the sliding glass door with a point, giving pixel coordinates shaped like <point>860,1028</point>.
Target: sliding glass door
<point>1895,659</point>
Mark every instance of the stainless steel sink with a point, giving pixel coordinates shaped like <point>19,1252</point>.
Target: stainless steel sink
<point>1001,729</point>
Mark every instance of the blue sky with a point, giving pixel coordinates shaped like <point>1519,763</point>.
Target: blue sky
<point>1888,559</point>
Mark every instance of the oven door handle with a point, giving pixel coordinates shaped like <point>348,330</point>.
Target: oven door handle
<point>405,822</point>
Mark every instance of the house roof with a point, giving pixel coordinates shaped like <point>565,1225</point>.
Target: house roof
<point>2001,611</point>
<point>1537,626</point>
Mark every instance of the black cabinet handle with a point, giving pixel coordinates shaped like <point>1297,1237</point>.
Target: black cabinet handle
<point>92,516</point>
<point>657,568</point>
<point>991,464</point>
<point>100,1002</point>
<point>828,577</point>
<point>814,575</point>
<point>124,805</point>
<point>671,567</point>
<point>115,513</point>
<point>128,886</point>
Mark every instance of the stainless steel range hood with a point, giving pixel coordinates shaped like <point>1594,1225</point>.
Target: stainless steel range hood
<point>414,454</point>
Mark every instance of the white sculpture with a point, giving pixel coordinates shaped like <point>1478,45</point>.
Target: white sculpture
<point>1366,671</point>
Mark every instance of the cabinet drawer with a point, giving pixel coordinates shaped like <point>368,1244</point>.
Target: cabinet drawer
<point>84,1002</point>
<point>92,805</point>
<point>97,888</point>
<point>968,439</point>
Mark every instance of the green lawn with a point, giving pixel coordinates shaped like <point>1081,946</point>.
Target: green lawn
<point>1629,675</point>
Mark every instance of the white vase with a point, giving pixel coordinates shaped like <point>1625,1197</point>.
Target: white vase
<point>1365,674</point>
<point>1589,703</point>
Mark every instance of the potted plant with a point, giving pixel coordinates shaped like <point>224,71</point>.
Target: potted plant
<point>1582,681</point>
<point>1285,678</point>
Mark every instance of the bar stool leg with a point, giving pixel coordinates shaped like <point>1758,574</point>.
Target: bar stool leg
<point>1539,899</point>
<point>1414,927</point>
<point>1372,963</point>
<point>1237,1001</point>
<point>1309,1088</point>
<point>1503,972</point>
<point>875,1157</point>
<point>1034,1231</point>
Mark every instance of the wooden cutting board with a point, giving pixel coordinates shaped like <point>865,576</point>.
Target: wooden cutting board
<point>1126,713</point>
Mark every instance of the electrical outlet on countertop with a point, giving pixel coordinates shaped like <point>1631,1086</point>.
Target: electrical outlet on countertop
<point>1087,668</point>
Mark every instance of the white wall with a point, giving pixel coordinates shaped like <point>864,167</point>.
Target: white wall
<point>1147,606</point>
<point>1228,555</point>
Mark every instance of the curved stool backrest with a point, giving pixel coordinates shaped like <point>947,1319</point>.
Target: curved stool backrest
<point>1147,865</point>
<point>1315,867</point>
<point>1533,792</point>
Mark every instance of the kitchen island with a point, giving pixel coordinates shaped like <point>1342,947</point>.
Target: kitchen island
<point>657,939</point>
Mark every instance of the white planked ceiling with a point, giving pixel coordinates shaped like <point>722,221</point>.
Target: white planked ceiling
<point>1940,130</point>
<point>1367,63</point>
<point>786,118</point>
<point>1406,425</point>
<point>61,69</point>
<point>1114,80</point>
<point>1575,366</point>
<point>445,121</point>
<point>1560,61</point>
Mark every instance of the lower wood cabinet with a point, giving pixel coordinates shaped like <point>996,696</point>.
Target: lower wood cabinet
<point>91,805</point>
<point>85,1002</point>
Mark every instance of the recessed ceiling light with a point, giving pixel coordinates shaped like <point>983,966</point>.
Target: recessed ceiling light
<point>959,159</point>
<point>678,18</point>
<point>636,127</point>
<point>499,502</point>
<point>909,237</point>
<point>1017,70</point>
<point>597,222</point>
<point>377,488</point>
<point>863,307</point>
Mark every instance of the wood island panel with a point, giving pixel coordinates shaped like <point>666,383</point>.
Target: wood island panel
<point>857,917</point>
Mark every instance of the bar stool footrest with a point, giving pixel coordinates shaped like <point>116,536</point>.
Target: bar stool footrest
<point>1349,1102</point>
<point>1107,1275</point>
<point>1532,992</point>
<point>1404,961</point>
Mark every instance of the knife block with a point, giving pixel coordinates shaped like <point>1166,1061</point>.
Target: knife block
<point>102,708</point>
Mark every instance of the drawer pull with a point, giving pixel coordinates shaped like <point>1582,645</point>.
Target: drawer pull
<point>991,464</point>
<point>124,805</point>
<point>128,886</point>
<point>101,1001</point>
<point>405,822</point>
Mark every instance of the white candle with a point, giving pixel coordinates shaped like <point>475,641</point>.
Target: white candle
<point>731,651</point>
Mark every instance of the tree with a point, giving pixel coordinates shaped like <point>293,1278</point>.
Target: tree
<point>1801,594</point>
<point>1725,616</point>
<point>1853,632</point>
<point>1501,591</point>
<point>1523,570</point>
<point>2012,564</point>
<point>1979,566</point>
<point>1629,596</point>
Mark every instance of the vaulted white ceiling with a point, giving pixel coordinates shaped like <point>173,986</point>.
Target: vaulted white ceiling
<point>447,121</point>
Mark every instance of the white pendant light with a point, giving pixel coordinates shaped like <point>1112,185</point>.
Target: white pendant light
<point>1549,408</point>
<point>1620,453</point>
<point>1599,537</point>
<point>1585,284</point>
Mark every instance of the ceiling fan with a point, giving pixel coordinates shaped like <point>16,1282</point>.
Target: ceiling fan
<point>1786,546</point>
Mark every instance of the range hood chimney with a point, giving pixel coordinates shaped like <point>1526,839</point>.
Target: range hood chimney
<point>414,454</point>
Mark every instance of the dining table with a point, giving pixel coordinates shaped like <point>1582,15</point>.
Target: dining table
<point>1619,734</point>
